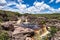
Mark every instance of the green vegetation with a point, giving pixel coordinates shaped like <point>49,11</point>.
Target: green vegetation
<point>53,30</point>
<point>49,16</point>
<point>4,35</point>
<point>7,15</point>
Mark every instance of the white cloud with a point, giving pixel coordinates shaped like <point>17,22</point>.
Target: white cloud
<point>41,7</point>
<point>38,7</point>
<point>38,3</point>
<point>58,10</point>
<point>21,7</point>
<point>51,1</point>
<point>1,7</point>
<point>20,1</point>
<point>57,1</point>
<point>2,1</point>
<point>7,5</point>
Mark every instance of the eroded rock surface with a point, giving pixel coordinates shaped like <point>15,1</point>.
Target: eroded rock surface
<point>19,32</point>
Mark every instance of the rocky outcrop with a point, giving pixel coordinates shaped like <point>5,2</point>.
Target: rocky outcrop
<point>17,32</point>
<point>22,30</point>
<point>53,22</point>
<point>22,33</point>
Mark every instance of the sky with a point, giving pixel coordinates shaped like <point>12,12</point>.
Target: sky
<point>31,6</point>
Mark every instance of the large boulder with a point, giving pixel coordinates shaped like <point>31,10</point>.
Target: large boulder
<point>21,33</point>
<point>23,30</point>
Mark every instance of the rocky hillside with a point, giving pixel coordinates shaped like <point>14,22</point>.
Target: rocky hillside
<point>8,16</point>
<point>10,30</point>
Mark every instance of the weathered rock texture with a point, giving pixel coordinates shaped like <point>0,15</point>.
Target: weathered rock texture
<point>18,32</point>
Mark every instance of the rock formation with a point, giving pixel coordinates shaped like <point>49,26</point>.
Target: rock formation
<point>22,30</point>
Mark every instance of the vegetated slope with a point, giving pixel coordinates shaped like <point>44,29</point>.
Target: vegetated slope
<point>49,16</point>
<point>7,15</point>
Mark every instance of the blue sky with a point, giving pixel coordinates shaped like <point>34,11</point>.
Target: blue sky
<point>31,6</point>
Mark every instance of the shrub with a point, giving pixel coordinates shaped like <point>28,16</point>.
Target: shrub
<point>4,35</point>
<point>53,30</point>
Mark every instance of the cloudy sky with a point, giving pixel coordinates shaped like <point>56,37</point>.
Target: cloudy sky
<point>31,6</point>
